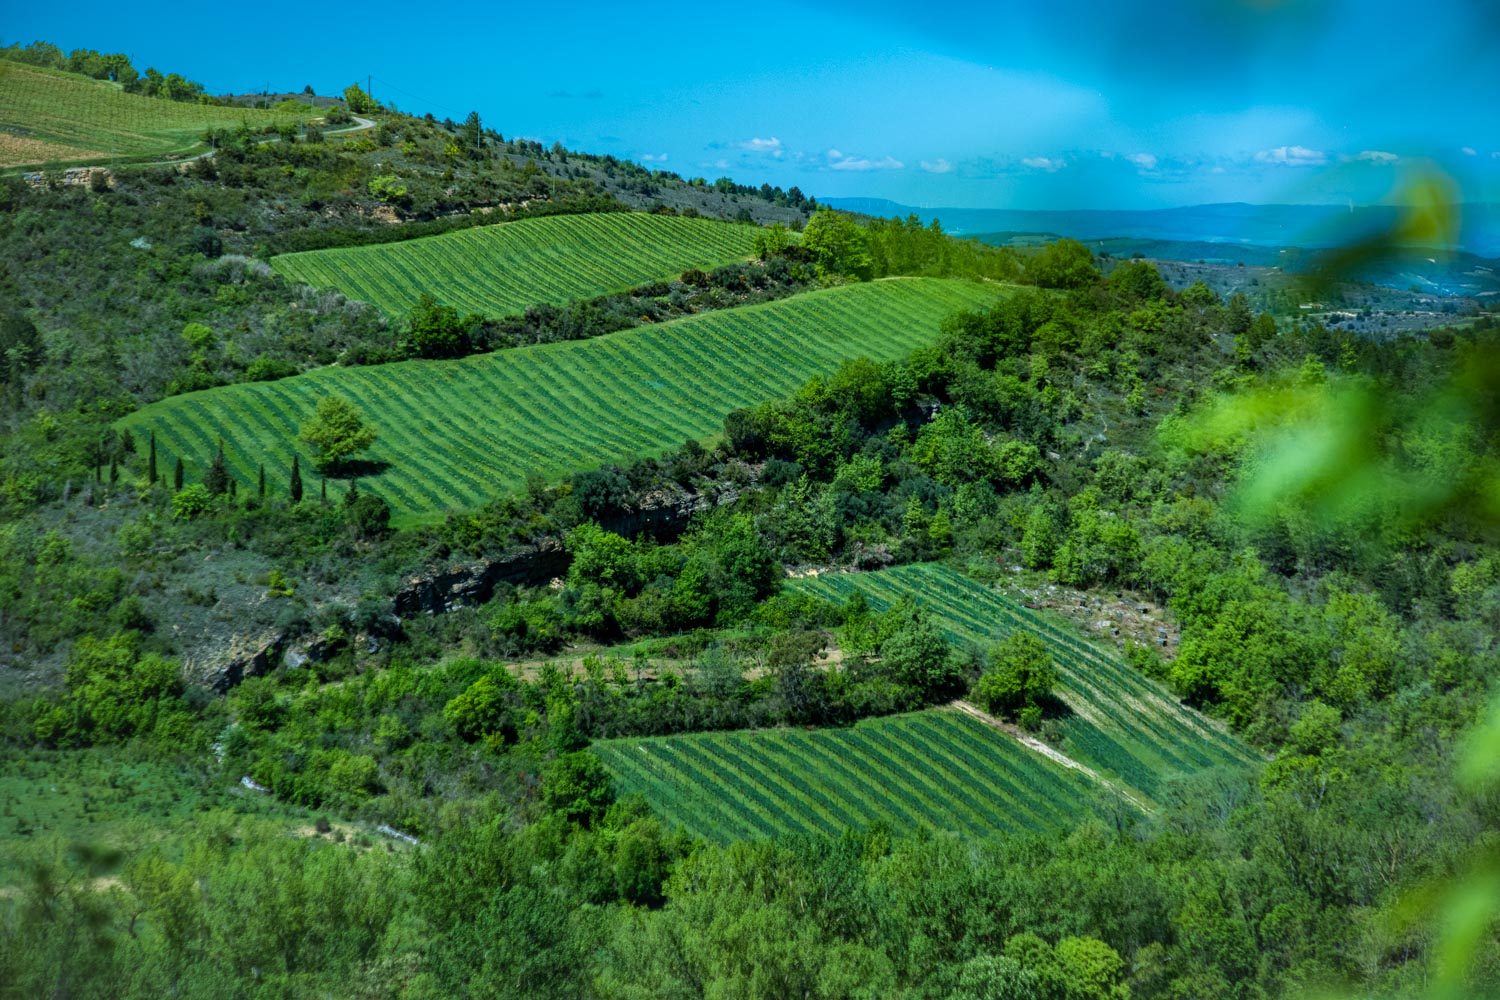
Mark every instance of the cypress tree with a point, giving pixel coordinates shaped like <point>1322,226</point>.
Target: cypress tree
<point>151,462</point>
<point>217,479</point>
<point>323,487</point>
<point>295,489</point>
<point>234,488</point>
<point>99,471</point>
<point>177,475</point>
<point>114,472</point>
<point>263,480</point>
<point>353,493</point>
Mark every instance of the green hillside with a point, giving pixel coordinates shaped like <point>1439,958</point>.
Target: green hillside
<point>455,433</point>
<point>50,115</point>
<point>500,270</point>
<point>939,769</point>
<point>1122,724</point>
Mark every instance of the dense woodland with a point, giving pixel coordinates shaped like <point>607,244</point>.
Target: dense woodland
<point>1099,434</point>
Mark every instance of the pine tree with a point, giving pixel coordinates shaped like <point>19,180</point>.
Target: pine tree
<point>353,493</point>
<point>295,489</point>
<point>177,476</point>
<point>217,479</point>
<point>151,462</point>
<point>262,486</point>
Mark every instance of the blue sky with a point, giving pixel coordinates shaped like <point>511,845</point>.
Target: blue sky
<point>1003,105</point>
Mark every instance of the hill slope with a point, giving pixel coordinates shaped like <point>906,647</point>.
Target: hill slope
<point>500,270</point>
<point>456,433</point>
<point>1120,723</point>
<point>50,115</point>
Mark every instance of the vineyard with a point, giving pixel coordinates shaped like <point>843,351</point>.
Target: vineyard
<point>499,270</point>
<point>453,434</point>
<point>46,115</point>
<point>1120,723</point>
<point>939,769</point>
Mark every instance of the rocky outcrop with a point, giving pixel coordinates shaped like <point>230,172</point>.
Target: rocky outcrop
<point>663,513</point>
<point>445,590</point>
<point>249,656</point>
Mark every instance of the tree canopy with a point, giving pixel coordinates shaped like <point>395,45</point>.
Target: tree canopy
<point>336,432</point>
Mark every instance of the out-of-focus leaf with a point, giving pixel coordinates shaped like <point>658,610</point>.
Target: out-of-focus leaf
<point>1431,218</point>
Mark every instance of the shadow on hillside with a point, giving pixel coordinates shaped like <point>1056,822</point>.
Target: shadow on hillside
<point>356,468</point>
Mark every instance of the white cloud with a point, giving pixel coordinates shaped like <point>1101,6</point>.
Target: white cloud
<point>1376,156</point>
<point>838,161</point>
<point>938,166</point>
<point>653,157</point>
<point>758,145</point>
<point>720,164</point>
<point>1052,166</point>
<point>1292,156</point>
<point>1469,151</point>
<point>1145,161</point>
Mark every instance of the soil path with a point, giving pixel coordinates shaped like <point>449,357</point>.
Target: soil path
<point>1032,743</point>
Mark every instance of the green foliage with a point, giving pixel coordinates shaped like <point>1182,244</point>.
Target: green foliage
<point>838,245</point>
<point>192,501</point>
<point>437,331</point>
<point>1064,263</point>
<point>1019,674</point>
<point>114,691</point>
<point>335,432</point>
<point>577,787</point>
<point>486,708</point>
<point>389,189</point>
<point>357,101</point>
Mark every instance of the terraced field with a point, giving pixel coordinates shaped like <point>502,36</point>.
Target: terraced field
<point>1122,724</point>
<point>46,114</point>
<point>938,769</point>
<point>455,433</point>
<point>499,270</point>
<point>941,769</point>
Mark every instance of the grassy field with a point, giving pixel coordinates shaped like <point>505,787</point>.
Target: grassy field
<point>1121,724</point>
<point>112,801</point>
<point>49,115</point>
<point>499,270</point>
<point>455,433</point>
<point>938,769</point>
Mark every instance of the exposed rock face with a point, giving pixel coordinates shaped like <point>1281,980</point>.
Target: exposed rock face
<point>662,514</point>
<point>466,586</point>
<point>247,657</point>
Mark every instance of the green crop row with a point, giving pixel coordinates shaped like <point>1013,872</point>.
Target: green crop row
<point>1120,722</point>
<point>453,434</point>
<point>499,270</point>
<point>41,108</point>
<point>938,769</point>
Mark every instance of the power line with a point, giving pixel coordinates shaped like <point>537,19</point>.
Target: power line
<point>417,97</point>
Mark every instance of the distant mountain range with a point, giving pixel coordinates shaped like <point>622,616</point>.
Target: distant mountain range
<point>1307,226</point>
